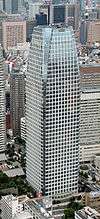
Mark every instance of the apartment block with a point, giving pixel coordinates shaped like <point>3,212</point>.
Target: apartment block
<point>14,32</point>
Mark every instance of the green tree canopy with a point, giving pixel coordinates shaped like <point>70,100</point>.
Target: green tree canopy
<point>69,213</point>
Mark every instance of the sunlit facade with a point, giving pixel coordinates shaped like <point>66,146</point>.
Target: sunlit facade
<point>52,111</point>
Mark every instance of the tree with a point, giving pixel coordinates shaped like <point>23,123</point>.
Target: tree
<point>84,167</point>
<point>71,208</point>
<point>3,178</point>
<point>81,173</point>
<point>69,213</point>
<point>85,175</point>
<point>94,178</point>
<point>12,184</point>
<point>72,199</point>
<point>75,205</point>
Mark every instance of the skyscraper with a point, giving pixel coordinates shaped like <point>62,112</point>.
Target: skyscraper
<point>1,5</point>
<point>7,5</point>
<point>14,6</point>
<point>52,111</point>
<point>87,4</point>
<point>2,105</point>
<point>17,99</point>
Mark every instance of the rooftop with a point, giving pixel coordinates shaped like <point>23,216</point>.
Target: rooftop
<point>40,208</point>
<point>88,213</point>
<point>95,194</point>
<point>3,157</point>
<point>23,215</point>
<point>14,172</point>
<point>9,198</point>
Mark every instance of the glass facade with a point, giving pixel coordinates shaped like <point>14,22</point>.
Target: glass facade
<point>52,111</point>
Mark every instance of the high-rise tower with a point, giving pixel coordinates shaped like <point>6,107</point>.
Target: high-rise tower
<point>2,105</point>
<point>17,99</point>
<point>52,111</point>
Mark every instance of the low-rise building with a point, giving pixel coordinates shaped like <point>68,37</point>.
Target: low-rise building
<point>92,199</point>
<point>14,172</point>
<point>87,213</point>
<point>40,209</point>
<point>23,215</point>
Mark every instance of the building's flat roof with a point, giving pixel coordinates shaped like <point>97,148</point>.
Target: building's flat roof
<point>90,68</point>
<point>3,157</point>
<point>14,172</point>
<point>95,194</point>
<point>23,215</point>
<point>88,212</point>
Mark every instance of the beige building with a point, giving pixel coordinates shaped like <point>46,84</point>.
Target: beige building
<point>89,112</point>
<point>93,34</point>
<point>14,32</point>
<point>92,199</point>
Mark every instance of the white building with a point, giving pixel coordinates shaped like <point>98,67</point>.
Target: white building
<point>23,215</point>
<point>2,105</point>
<point>52,111</point>
<point>34,8</point>
<point>87,213</point>
<point>39,209</point>
<point>10,207</point>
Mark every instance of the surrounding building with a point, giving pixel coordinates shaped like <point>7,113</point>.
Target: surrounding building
<point>13,6</point>
<point>90,112</point>
<point>52,111</point>
<point>7,6</point>
<point>64,13</point>
<point>2,105</point>
<point>1,5</point>
<point>23,215</point>
<point>87,5</point>
<point>13,32</point>
<point>8,120</point>
<point>34,8</point>
<point>17,100</point>
<point>12,209</point>
<point>87,213</point>
<point>40,209</point>
<point>29,28</point>
<point>97,162</point>
<point>92,200</point>
<point>9,206</point>
<point>93,34</point>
